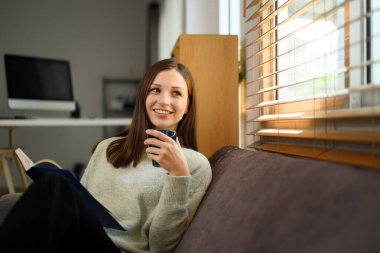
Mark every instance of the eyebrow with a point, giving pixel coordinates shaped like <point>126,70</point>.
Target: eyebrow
<point>176,87</point>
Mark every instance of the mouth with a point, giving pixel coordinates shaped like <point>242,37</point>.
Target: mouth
<point>162,111</point>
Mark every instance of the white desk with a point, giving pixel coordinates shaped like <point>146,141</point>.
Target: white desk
<point>8,154</point>
<point>10,124</point>
<point>62,122</point>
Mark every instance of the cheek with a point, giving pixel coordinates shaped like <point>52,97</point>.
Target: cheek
<point>182,106</point>
<point>148,102</point>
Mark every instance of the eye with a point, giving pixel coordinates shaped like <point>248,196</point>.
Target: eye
<point>154,90</point>
<point>177,93</point>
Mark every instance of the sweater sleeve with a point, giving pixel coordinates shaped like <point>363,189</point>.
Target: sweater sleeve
<point>179,200</point>
<point>90,166</point>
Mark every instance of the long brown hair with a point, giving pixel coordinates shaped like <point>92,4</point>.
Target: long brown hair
<point>123,151</point>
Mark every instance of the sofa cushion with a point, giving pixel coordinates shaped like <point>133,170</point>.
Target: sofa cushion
<point>267,202</point>
<point>7,201</point>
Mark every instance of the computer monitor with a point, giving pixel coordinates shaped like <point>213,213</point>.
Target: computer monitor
<point>38,83</point>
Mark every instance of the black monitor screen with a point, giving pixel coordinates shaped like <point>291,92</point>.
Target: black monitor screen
<point>38,78</point>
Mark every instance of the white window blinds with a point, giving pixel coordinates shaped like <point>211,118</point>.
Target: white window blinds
<point>313,78</point>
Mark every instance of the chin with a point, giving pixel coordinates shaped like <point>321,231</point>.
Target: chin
<point>164,127</point>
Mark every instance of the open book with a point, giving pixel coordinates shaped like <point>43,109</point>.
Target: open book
<point>35,170</point>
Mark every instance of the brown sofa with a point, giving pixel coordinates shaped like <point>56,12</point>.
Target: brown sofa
<point>267,202</point>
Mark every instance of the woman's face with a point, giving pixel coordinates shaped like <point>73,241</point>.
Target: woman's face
<point>167,100</point>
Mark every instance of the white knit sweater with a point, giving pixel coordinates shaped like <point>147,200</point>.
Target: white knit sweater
<point>154,207</point>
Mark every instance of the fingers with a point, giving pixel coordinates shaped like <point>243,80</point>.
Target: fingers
<point>164,150</point>
<point>153,157</point>
<point>158,139</point>
<point>157,143</point>
<point>154,142</point>
<point>161,136</point>
<point>153,150</point>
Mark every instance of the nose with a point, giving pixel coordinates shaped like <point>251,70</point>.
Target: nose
<point>164,98</point>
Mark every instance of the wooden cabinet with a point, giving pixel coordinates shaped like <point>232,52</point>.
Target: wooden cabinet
<point>213,62</point>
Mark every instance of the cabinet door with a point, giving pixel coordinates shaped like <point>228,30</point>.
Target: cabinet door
<point>213,62</point>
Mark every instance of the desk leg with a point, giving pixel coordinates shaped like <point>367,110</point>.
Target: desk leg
<point>7,174</point>
<point>9,153</point>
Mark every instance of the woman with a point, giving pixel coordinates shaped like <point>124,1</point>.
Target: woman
<point>153,204</point>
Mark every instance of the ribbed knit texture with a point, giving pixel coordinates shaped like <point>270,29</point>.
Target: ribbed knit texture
<point>154,207</point>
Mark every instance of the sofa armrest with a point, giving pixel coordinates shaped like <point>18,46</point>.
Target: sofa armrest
<point>7,201</point>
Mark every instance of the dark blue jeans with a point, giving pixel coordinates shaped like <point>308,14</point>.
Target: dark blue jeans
<point>51,216</point>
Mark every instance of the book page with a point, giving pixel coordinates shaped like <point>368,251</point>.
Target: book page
<point>48,161</point>
<point>25,161</point>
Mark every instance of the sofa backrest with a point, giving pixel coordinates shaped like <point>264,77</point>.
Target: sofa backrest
<point>267,202</point>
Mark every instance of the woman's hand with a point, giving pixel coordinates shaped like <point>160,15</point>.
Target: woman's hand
<point>167,152</point>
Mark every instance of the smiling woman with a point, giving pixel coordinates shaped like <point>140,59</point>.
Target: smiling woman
<point>166,75</point>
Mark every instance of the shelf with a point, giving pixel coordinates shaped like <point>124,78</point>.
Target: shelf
<point>119,96</point>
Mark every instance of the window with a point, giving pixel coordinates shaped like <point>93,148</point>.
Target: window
<point>229,19</point>
<point>313,78</point>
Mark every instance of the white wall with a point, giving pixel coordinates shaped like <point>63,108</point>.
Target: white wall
<point>186,16</point>
<point>170,27</point>
<point>99,38</point>
<point>202,16</point>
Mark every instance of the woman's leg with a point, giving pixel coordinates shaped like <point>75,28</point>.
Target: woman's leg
<point>51,216</point>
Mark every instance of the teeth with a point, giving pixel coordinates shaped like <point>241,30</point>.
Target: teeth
<point>162,111</point>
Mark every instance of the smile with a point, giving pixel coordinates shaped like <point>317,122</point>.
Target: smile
<point>161,111</point>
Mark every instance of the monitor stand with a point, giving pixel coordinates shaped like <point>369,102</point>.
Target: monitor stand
<point>76,112</point>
